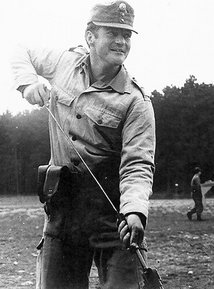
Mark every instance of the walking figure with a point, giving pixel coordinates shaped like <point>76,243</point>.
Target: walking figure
<point>196,195</point>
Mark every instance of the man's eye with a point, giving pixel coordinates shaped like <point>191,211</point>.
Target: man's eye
<point>110,33</point>
<point>127,36</point>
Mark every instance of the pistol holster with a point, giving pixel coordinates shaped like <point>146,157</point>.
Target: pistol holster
<point>52,181</point>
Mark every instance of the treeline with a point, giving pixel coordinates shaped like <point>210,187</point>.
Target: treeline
<point>24,145</point>
<point>185,135</point>
<point>185,139</point>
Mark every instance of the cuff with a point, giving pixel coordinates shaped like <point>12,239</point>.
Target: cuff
<point>21,88</point>
<point>141,216</point>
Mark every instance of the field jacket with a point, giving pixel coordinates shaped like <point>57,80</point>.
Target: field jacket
<point>106,121</point>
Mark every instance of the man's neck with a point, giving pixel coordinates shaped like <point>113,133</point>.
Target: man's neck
<point>101,72</point>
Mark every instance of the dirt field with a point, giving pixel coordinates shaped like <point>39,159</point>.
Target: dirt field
<point>182,251</point>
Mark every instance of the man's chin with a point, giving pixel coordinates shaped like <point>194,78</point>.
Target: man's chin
<point>118,60</point>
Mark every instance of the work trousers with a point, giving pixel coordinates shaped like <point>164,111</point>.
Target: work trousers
<point>78,231</point>
<point>198,208</point>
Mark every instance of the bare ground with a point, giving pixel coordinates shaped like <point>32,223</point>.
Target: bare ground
<point>182,251</point>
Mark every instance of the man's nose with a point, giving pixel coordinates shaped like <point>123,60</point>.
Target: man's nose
<point>119,39</point>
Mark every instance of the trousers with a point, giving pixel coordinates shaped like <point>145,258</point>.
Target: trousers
<point>198,208</point>
<point>81,230</point>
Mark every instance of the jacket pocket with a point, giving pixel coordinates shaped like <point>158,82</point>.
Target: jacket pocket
<point>103,118</point>
<point>105,127</point>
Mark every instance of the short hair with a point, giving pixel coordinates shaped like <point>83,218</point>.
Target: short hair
<point>197,170</point>
<point>93,28</point>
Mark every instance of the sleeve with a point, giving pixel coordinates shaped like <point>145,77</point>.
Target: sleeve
<point>29,63</point>
<point>137,158</point>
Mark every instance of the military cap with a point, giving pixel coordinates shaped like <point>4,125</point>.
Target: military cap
<point>118,14</point>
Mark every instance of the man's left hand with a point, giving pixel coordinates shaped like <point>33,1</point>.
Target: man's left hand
<point>131,230</point>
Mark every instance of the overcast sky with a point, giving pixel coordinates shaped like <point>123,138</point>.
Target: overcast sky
<point>175,40</point>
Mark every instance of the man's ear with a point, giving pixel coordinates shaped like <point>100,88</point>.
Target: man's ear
<point>89,37</point>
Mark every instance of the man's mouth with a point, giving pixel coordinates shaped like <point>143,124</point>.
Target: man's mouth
<point>118,50</point>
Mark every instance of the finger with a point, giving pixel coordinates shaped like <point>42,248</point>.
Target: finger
<point>126,239</point>
<point>38,98</point>
<point>44,93</point>
<point>123,232</point>
<point>45,90</point>
<point>121,225</point>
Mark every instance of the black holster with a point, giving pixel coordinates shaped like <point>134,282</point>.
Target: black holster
<point>53,183</point>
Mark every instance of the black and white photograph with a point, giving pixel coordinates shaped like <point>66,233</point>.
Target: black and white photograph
<point>107,144</point>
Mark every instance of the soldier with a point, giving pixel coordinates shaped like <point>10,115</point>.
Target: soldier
<point>110,121</point>
<point>196,195</point>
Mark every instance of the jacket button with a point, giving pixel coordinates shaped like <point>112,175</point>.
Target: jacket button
<point>74,137</point>
<point>100,121</point>
<point>78,116</point>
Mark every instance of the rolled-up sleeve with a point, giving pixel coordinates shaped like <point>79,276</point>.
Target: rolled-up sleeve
<point>29,63</point>
<point>137,158</point>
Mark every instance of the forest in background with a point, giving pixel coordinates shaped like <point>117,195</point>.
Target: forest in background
<point>184,132</point>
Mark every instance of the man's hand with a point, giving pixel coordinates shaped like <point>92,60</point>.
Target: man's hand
<point>37,93</point>
<point>131,230</point>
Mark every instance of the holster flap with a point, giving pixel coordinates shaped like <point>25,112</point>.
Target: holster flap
<point>52,180</point>
<point>49,179</point>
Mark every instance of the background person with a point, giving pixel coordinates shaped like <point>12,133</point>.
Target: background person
<point>196,195</point>
<point>111,123</point>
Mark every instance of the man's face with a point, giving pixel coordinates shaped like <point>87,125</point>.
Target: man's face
<point>111,45</point>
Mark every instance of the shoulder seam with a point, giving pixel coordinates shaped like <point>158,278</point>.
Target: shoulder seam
<point>139,87</point>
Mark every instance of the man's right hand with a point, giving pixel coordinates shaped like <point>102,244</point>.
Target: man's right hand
<point>37,93</point>
<point>131,230</point>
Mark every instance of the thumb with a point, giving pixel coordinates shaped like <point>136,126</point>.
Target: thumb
<point>46,94</point>
<point>134,239</point>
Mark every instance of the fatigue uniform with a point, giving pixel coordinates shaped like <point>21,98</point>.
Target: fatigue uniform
<point>112,127</point>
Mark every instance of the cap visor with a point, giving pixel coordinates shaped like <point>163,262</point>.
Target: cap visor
<point>116,25</point>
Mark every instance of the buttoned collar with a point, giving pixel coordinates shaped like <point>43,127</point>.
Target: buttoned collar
<point>120,83</point>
